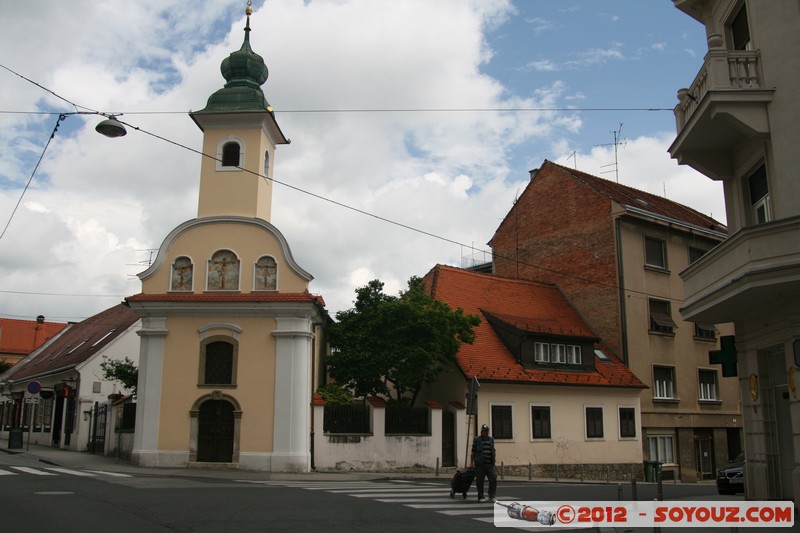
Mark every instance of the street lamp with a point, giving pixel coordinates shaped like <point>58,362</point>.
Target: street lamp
<point>111,127</point>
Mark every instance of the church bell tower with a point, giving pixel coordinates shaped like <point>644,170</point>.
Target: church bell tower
<point>240,134</point>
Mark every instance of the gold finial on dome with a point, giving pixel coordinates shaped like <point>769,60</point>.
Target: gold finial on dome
<point>249,10</point>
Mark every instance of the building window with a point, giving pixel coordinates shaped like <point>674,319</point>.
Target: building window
<point>223,271</point>
<point>661,317</point>
<point>759,195</point>
<point>541,352</point>
<point>740,30</point>
<point>663,382</point>
<point>706,332</point>
<point>218,363</point>
<point>627,423</point>
<point>266,165</point>
<point>594,422</point>
<point>182,274</point>
<point>266,274</point>
<point>708,384</point>
<point>574,355</point>
<point>559,353</point>
<point>655,255</point>
<point>695,254</point>
<point>540,422</point>
<point>661,448</point>
<point>502,427</point>
<point>230,154</point>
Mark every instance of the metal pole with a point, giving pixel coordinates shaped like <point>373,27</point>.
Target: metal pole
<point>30,424</point>
<point>660,484</point>
<point>634,494</point>
<point>437,467</point>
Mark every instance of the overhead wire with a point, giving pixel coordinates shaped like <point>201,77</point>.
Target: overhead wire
<point>330,200</point>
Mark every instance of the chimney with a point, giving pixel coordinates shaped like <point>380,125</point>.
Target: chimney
<point>40,319</point>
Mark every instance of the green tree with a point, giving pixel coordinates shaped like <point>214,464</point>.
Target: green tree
<point>4,365</point>
<point>124,372</point>
<point>391,346</point>
<point>333,394</point>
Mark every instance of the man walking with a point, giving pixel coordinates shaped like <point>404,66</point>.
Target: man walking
<point>483,457</point>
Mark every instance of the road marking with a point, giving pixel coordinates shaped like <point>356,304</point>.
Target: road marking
<point>71,472</point>
<point>54,493</point>
<point>7,473</point>
<point>112,474</point>
<point>33,471</point>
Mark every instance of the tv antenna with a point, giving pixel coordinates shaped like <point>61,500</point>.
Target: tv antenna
<point>618,141</point>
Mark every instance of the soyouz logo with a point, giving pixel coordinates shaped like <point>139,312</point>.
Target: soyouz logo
<point>644,514</point>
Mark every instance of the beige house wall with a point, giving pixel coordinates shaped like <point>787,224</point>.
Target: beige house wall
<point>568,444</point>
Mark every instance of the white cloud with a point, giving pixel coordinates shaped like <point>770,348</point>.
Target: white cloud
<point>394,192</point>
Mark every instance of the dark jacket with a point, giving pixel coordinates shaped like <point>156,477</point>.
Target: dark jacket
<point>477,449</point>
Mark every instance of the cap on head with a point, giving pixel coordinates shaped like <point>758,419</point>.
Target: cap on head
<point>484,428</point>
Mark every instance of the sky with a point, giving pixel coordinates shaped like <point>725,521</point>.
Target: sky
<point>414,125</point>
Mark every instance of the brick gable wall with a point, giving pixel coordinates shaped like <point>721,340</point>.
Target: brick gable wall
<point>562,231</point>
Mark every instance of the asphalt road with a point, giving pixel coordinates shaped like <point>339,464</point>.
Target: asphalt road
<point>37,496</point>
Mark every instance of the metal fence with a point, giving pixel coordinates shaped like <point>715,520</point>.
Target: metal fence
<point>346,419</point>
<point>404,420</point>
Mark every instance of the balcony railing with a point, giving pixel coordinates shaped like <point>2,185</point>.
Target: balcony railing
<point>722,70</point>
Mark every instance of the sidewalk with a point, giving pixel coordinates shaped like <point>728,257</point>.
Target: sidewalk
<point>88,461</point>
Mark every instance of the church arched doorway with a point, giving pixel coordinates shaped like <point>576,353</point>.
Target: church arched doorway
<point>215,432</point>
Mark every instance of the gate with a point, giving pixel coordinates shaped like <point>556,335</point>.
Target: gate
<point>98,444</point>
<point>448,438</point>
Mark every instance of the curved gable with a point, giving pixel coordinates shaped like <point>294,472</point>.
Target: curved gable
<point>199,237</point>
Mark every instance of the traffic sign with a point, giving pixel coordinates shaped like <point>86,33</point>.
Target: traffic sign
<point>34,387</point>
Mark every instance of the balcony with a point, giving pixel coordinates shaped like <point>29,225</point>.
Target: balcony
<point>724,108</point>
<point>757,267</point>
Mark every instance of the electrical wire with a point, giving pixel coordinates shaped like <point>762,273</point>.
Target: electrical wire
<point>62,116</point>
<point>30,179</point>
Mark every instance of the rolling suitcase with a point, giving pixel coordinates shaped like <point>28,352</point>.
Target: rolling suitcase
<point>462,481</point>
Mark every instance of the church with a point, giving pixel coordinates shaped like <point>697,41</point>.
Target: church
<point>230,336</point>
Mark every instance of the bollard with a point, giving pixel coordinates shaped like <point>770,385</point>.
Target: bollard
<point>634,495</point>
<point>502,470</point>
<point>619,492</point>
<point>530,472</point>
<point>437,467</point>
<point>581,473</point>
<point>660,485</point>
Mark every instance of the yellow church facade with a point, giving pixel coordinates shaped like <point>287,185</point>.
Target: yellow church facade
<point>230,336</point>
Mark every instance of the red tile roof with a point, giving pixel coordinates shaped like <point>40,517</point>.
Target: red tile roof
<point>79,342</point>
<point>630,197</point>
<point>531,306</point>
<point>227,297</point>
<point>21,337</point>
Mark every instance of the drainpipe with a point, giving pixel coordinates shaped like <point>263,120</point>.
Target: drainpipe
<point>621,284</point>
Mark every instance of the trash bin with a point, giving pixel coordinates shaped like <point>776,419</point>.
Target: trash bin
<point>15,439</point>
<point>652,469</point>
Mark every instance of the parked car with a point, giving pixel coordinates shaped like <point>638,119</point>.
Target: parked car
<point>730,478</point>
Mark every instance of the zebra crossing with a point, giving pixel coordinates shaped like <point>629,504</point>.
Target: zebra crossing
<point>55,471</point>
<point>417,495</point>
